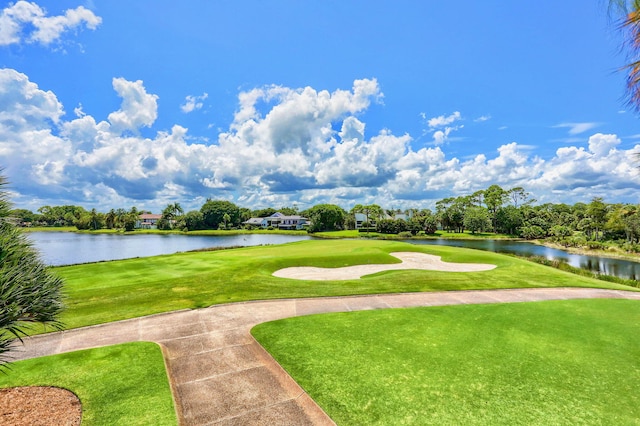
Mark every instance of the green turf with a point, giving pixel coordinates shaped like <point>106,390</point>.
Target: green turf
<point>117,385</point>
<point>50,229</point>
<point>466,235</point>
<point>542,363</point>
<point>109,291</point>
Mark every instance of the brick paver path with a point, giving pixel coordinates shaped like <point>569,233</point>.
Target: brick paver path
<point>221,376</point>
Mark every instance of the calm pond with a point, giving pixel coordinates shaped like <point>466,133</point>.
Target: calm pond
<point>67,248</point>
<point>600,265</point>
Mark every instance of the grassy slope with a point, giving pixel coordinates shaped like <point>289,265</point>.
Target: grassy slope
<point>121,384</point>
<point>560,362</point>
<point>104,292</point>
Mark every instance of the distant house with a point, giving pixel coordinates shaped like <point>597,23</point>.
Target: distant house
<point>148,221</point>
<point>361,219</point>
<point>293,222</point>
<point>279,221</point>
<point>255,221</point>
<point>402,216</point>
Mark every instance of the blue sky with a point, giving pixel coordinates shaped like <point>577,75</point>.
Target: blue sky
<point>112,104</point>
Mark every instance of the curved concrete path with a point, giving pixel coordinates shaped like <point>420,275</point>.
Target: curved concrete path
<point>221,376</point>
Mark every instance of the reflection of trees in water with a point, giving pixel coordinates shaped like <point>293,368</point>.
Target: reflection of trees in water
<point>590,265</point>
<point>614,267</point>
<point>605,266</point>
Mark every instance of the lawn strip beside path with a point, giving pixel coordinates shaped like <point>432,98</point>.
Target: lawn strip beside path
<point>119,384</point>
<point>220,375</point>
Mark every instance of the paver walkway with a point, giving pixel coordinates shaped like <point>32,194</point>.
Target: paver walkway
<point>221,376</point>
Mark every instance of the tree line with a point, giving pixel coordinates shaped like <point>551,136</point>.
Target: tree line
<point>512,212</point>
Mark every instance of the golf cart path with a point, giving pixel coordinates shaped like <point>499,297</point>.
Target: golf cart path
<point>220,375</point>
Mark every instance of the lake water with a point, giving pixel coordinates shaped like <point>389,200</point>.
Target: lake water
<point>66,248</point>
<point>600,265</point>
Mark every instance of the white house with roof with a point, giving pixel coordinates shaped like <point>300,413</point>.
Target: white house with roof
<point>148,221</point>
<point>279,221</point>
<point>361,220</point>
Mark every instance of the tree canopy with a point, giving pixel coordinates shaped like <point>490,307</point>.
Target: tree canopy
<point>325,217</point>
<point>213,213</point>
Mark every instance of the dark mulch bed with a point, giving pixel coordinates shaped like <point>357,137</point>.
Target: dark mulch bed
<point>39,406</point>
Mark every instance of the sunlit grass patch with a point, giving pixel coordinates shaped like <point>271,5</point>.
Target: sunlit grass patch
<point>558,362</point>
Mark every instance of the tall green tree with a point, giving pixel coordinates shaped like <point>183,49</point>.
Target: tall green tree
<point>519,196</point>
<point>325,217</point>
<point>476,219</point>
<point>597,212</point>
<point>494,198</point>
<point>194,220</point>
<point>170,216</point>
<point>110,219</point>
<point>130,218</point>
<point>226,219</point>
<point>450,213</point>
<point>213,213</point>
<point>29,292</point>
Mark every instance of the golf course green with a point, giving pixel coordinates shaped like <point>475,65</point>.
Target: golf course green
<point>109,291</point>
<point>526,363</point>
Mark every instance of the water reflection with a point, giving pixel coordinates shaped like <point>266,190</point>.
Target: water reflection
<point>600,265</point>
<point>67,248</point>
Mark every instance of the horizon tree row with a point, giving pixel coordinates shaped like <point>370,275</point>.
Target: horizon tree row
<point>494,209</point>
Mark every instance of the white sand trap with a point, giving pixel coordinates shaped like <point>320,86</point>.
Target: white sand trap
<point>410,260</point>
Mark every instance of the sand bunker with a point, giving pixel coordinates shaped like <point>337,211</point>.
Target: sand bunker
<point>410,260</point>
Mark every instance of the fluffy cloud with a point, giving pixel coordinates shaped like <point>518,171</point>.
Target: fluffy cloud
<point>192,103</point>
<point>138,107</point>
<point>283,146</point>
<point>26,21</point>
<point>441,126</point>
<point>28,117</point>
<point>442,121</point>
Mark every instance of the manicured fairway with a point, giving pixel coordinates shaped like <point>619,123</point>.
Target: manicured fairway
<point>104,292</point>
<point>117,385</point>
<point>542,363</point>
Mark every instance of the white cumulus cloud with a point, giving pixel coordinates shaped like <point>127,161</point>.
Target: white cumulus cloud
<point>138,107</point>
<point>283,146</point>
<point>28,22</point>
<point>192,103</point>
<point>441,126</point>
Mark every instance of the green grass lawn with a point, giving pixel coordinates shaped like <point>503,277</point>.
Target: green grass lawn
<point>542,363</point>
<point>117,385</point>
<point>50,229</point>
<point>109,291</point>
<point>466,235</point>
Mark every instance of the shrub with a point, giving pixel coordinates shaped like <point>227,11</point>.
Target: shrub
<point>29,292</point>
